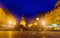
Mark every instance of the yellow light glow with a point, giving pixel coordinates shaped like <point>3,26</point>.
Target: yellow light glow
<point>10,34</point>
<point>14,23</point>
<point>37,18</point>
<point>43,22</point>
<point>22,23</point>
<point>0,9</point>
<point>35,23</point>
<point>10,22</point>
<point>30,25</point>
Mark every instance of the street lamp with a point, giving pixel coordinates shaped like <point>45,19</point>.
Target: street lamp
<point>37,18</point>
<point>35,23</point>
<point>43,23</point>
<point>9,22</point>
<point>30,25</point>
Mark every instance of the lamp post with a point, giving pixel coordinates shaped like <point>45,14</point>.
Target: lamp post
<point>37,18</point>
<point>44,23</point>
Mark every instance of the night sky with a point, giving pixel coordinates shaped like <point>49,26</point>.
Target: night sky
<point>28,8</point>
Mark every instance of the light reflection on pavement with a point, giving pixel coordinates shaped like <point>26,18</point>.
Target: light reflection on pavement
<point>28,34</point>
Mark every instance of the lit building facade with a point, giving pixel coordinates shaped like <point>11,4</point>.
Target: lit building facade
<point>23,21</point>
<point>2,16</point>
<point>6,19</point>
<point>53,17</point>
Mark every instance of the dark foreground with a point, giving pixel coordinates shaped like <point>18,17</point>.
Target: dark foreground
<point>29,34</point>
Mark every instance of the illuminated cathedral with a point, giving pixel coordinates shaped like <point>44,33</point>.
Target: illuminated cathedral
<point>23,21</point>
